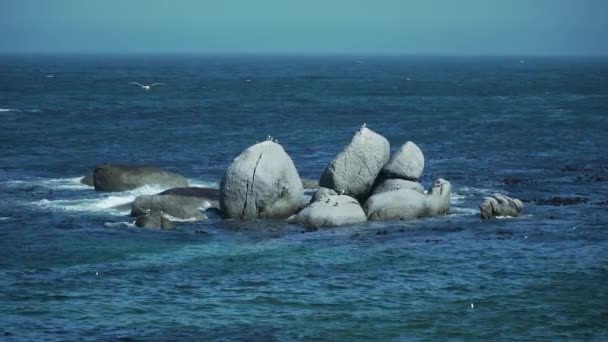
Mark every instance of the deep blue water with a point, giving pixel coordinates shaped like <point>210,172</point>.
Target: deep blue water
<point>73,268</point>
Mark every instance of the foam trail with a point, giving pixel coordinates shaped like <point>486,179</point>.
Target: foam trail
<point>203,184</point>
<point>119,224</point>
<point>111,203</point>
<point>53,183</point>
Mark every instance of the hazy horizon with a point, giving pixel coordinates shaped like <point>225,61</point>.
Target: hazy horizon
<point>313,28</point>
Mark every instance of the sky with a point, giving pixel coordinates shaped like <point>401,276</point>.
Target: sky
<point>368,27</point>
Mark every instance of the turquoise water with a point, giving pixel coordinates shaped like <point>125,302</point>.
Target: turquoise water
<point>74,268</point>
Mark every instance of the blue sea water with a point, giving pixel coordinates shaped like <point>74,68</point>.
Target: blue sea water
<point>74,268</point>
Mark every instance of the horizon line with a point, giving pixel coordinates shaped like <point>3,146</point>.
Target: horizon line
<point>294,54</point>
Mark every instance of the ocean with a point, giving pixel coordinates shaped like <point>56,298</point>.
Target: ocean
<point>74,268</point>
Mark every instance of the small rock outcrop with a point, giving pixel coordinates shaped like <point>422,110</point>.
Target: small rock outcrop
<point>87,180</point>
<point>397,184</point>
<point>406,163</point>
<point>176,203</point>
<point>331,211</point>
<point>109,177</point>
<point>407,204</point>
<point>154,220</point>
<point>261,183</point>
<point>500,205</point>
<point>355,169</point>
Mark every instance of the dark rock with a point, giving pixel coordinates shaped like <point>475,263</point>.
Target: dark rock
<point>154,220</point>
<point>212,195</point>
<point>183,207</point>
<point>517,181</point>
<point>261,183</point>
<point>561,201</point>
<point>87,180</point>
<point>108,177</point>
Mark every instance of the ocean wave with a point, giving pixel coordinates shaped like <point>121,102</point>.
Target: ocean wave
<point>110,203</point>
<point>456,198</point>
<point>53,183</point>
<point>195,182</point>
<point>4,218</point>
<point>456,211</point>
<point>178,219</point>
<point>119,224</point>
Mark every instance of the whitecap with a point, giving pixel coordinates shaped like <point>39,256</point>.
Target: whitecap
<point>178,219</point>
<point>65,183</point>
<point>456,198</point>
<point>119,224</point>
<point>52,183</point>
<point>203,183</point>
<point>463,211</point>
<point>110,203</point>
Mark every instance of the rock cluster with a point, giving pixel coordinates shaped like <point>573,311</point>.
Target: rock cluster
<point>363,182</point>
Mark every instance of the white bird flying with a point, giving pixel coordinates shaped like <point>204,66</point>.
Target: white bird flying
<point>146,87</point>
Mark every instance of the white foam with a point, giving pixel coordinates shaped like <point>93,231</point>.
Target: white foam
<point>119,224</point>
<point>456,198</point>
<point>53,183</point>
<point>110,203</point>
<point>463,211</point>
<point>178,219</point>
<point>65,183</point>
<point>203,184</point>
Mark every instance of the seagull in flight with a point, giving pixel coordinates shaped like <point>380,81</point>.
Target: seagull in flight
<point>146,87</point>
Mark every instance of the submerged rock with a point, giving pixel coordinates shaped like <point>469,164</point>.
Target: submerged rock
<point>108,177</point>
<point>87,180</point>
<point>154,220</point>
<point>407,204</point>
<point>406,163</point>
<point>500,205</point>
<point>355,169</point>
<point>183,207</point>
<point>331,211</point>
<point>261,183</point>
